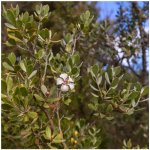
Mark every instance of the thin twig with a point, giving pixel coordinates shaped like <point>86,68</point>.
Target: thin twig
<point>49,118</point>
<point>74,46</point>
<point>46,63</point>
<point>147,99</point>
<point>26,50</point>
<point>59,119</point>
<point>59,126</point>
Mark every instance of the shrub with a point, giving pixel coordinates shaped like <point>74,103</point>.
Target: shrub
<point>41,88</point>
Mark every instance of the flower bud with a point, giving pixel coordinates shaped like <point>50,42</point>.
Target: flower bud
<point>75,142</point>
<point>76,133</point>
<point>47,94</point>
<point>72,140</point>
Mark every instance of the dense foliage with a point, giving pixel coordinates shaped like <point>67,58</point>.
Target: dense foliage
<point>65,85</point>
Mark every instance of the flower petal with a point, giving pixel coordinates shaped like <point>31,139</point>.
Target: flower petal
<point>71,85</point>
<point>64,88</point>
<point>64,76</point>
<point>70,79</point>
<point>59,81</point>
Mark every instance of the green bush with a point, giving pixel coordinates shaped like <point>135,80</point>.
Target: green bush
<point>42,89</point>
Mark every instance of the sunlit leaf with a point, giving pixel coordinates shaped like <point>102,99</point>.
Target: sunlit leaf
<point>7,66</point>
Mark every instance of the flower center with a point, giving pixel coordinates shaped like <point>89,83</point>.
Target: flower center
<point>66,82</point>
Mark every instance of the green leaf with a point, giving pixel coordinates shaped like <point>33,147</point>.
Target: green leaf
<point>3,86</point>
<point>109,118</point>
<point>10,42</point>
<point>133,95</point>
<point>10,17</point>
<point>76,59</point>
<point>53,99</point>
<point>25,118</point>
<point>68,38</point>
<point>115,82</point>
<point>99,80</point>
<point>46,9</point>
<point>17,91</point>
<point>22,66</point>
<point>10,26</point>
<point>107,78</point>
<point>3,96</point>
<point>95,69</point>
<point>25,17</point>
<point>15,38</point>
<point>41,53</point>
<point>87,14</point>
<point>43,89</point>
<point>95,89</point>
<point>23,91</point>
<point>102,115</point>
<point>7,66</point>
<point>138,86</point>
<point>38,97</point>
<point>58,139</point>
<point>45,105</point>
<point>92,106</point>
<point>94,95</point>
<point>32,74</point>
<point>67,102</point>
<point>17,10</point>
<point>130,112</point>
<point>48,132</point>
<point>117,70</point>
<point>68,48</point>
<point>32,114</point>
<point>12,58</point>
<point>44,33</point>
<point>144,91</point>
<point>9,82</point>
<point>129,144</point>
<point>75,72</point>
<point>109,108</point>
<point>133,103</point>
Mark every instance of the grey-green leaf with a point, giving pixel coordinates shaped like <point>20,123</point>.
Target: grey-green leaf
<point>9,82</point>
<point>7,66</point>
<point>10,26</point>
<point>95,69</point>
<point>12,58</point>
<point>107,78</point>
<point>43,89</point>
<point>32,114</point>
<point>32,74</point>
<point>133,95</point>
<point>95,89</point>
<point>22,66</point>
<point>99,80</point>
<point>48,132</point>
<point>94,95</point>
<point>38,97</point>
<point>144,91</point>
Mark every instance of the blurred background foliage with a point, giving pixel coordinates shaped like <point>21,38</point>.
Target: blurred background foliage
<point>121,42</point>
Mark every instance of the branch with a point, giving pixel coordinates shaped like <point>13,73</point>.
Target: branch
<point>49,118</point>
<point>74,44</point>
<point>132,69</point>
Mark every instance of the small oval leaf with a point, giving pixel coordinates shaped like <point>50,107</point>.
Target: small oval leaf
<point>22,66</point>
<point>7,66</point>
<point>32,74</point>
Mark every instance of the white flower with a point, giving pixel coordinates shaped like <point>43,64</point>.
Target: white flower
<point>65,82</point>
